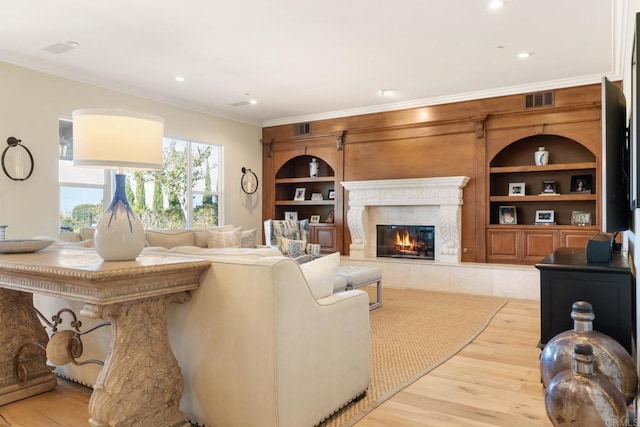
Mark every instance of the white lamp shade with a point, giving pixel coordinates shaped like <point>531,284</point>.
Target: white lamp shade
<point>114,139</point>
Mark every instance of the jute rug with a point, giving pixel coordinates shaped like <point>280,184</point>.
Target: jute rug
<point>412,333</point>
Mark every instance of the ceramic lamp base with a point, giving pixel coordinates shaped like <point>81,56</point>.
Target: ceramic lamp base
<point>119,234</point>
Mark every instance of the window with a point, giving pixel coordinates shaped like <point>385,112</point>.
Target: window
<point>184,194</point>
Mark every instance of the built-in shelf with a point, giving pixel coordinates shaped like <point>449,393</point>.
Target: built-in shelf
<point>543,198</point>
<point>304,180</point>
<point>535,168</point>
<point>304,203</point>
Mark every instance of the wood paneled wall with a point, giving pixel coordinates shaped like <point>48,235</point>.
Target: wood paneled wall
<point>443,140</point>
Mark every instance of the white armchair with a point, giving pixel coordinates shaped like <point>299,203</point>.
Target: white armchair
<point>257,349</point>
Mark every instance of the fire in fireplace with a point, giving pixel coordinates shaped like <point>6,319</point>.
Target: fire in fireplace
<point>405,241</point>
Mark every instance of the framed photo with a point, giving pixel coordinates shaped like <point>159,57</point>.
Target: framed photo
<point>291,215</point>
<point>516,188</point>
<point>508,215</point>
<point>581,183</point>
<point>580,218</point>
<point>299,194</point>
<point>329,217</point>
<point>316,196</point>
<point>314,219</point>
<point>545,216</point>
<point>548,187</point>
<point>331,195</point>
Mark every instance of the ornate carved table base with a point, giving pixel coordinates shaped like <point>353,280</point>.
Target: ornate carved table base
<point>141,383</point>
<point>23,368</point>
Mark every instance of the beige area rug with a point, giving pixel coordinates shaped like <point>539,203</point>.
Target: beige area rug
<point>412,333</point>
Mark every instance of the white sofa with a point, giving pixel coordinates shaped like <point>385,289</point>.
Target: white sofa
<point>255,347</point>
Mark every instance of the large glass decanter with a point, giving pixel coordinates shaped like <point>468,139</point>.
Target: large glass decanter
<point>581,397</point>
<point>611,359</point>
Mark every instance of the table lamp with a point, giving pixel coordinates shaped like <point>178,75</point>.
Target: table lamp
<point>117,139</point>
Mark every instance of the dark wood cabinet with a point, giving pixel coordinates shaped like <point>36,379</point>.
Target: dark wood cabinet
<point>566,277</point>
<point>325,235</point>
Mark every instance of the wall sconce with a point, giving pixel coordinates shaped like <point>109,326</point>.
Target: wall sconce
<point>17,161</point>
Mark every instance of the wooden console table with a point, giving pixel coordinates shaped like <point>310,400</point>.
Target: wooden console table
<point>567,277</point>
<point>140,383</point>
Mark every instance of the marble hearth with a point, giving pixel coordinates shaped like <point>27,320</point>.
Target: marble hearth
<point>428,201</point>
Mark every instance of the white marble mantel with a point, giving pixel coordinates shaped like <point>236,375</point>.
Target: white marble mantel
<point>442,194</point>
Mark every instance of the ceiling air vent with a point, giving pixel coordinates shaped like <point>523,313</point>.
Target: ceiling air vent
<point>538,99</point>
<point>302,128</point>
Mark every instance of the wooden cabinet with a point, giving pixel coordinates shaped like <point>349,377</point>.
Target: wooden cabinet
<point>529,241</point>
<point>324,235</point>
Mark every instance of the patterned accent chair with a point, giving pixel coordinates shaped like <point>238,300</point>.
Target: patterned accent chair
<point>275,229</point>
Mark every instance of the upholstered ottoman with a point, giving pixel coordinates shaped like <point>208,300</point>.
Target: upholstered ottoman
<point>357,276</point>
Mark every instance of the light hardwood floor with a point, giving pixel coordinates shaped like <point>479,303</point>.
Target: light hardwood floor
<point>494,381</point>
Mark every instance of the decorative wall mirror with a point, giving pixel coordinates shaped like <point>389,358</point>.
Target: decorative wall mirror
<point>17,161</point>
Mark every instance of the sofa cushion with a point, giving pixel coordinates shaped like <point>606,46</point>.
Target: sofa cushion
<point>170,238</point>
<point>202,234</point>
<point>321,274</point>
<point>249,238</point>
<point>225,239</point>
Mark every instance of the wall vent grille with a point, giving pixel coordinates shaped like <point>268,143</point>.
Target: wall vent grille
<point>539,99</point>
<point>302,128</point>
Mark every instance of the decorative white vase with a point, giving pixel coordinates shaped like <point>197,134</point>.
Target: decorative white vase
<point>541,156</point>
<point>313,168</point>
<point>119,234</point>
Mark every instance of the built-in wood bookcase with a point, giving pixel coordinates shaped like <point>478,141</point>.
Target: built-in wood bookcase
<point>528,239</point>
<point>289,165</point>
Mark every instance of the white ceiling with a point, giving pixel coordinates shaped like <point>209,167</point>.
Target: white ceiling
<point>305,60</point>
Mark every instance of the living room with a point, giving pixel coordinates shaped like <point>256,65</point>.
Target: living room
<point>36,100</point>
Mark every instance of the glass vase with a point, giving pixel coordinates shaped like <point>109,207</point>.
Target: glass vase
<point>611,359</point>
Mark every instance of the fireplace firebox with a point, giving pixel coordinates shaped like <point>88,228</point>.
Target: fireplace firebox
<point>405,241</point>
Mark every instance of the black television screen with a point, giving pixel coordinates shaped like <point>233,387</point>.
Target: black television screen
<point>616,211</point>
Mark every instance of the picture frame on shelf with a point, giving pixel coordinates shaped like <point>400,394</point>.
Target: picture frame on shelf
<point>508,215</point>
<point>316,196</point>
<point>516,188</point>
<point>331,194</point>
<point>580,218</point>
<point>314,219</point>
<point>293,216</point>
<point>329,217</point>
<point>545,216</point>
<point>581,184</point>
<point>548,187</point>
<point>299,195</point>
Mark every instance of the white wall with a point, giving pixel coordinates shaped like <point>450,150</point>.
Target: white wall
<point>31,103</point>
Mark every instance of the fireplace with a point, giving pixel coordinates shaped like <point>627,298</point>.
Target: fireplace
<point>405,241</point>
<point>436,201</point>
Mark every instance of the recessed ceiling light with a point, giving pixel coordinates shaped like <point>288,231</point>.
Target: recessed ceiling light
<point>180,79</point>
<point>253,101</point>
<point>496,4</point>
<point>523,55</point>
<point>384,92</point>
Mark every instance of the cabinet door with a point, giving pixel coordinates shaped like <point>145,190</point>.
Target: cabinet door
<point>325,236</point>
<point>503,245</point>
<point>539,243</point>
<point>575,238</point>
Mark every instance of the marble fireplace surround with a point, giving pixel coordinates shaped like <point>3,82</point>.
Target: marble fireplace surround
<point>421,201</point>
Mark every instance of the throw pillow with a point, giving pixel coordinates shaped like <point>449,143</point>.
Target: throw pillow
<point>249,238</point>
<point>169,239</point>
<point>225,239</point>
<point>295,248</point>
<point>321,273</point>
<point>284,245</point>
<point>202,234</point>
